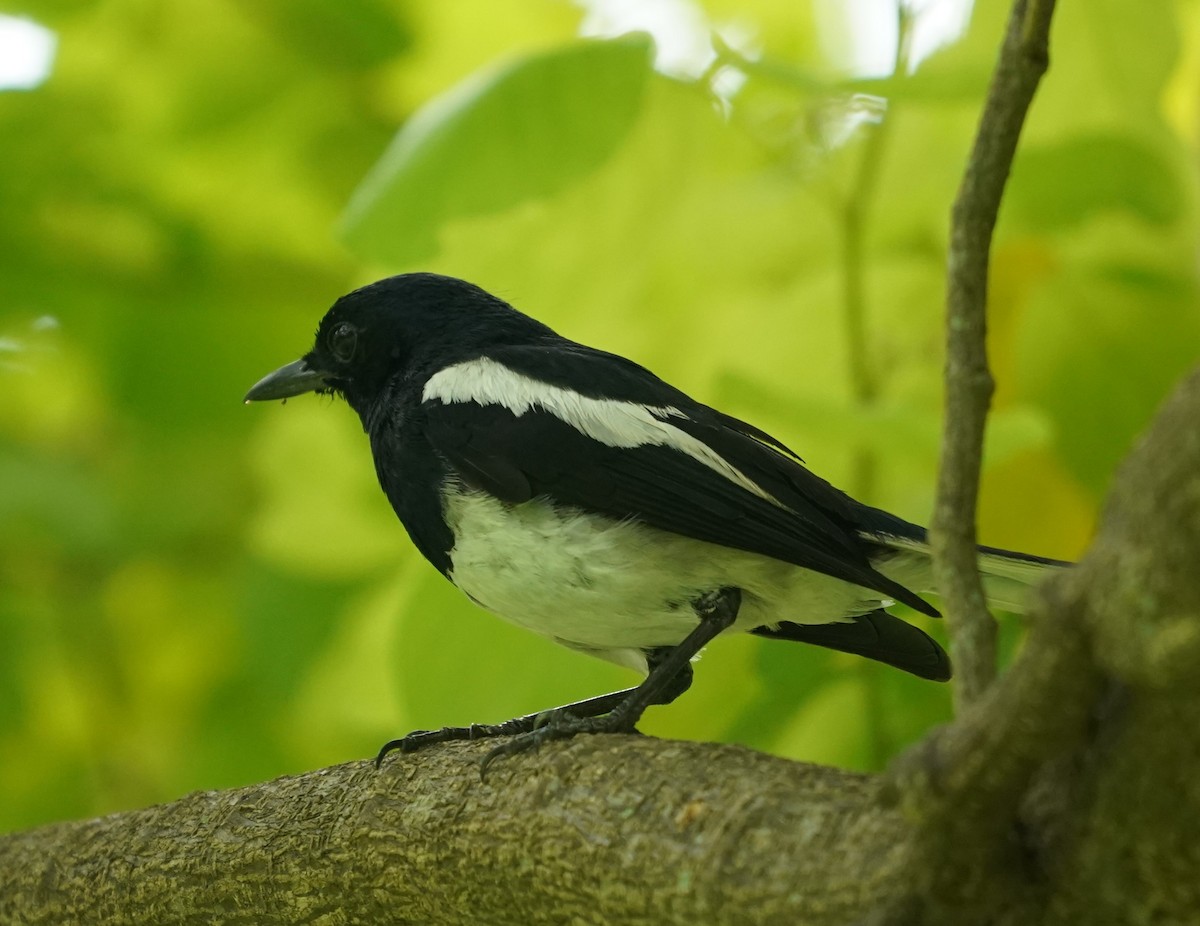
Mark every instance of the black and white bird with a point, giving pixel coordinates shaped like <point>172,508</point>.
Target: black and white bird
<point>574,493</point>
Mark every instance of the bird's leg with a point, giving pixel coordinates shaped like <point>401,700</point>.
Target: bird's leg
<point>670,676</point>
<point>589,707</point>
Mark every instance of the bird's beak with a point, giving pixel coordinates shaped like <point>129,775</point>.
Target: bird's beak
<point>295,378</point>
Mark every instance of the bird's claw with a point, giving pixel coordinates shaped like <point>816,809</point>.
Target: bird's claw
<point>419,739</point>
<point>408,743</point>
<point>555,725</point>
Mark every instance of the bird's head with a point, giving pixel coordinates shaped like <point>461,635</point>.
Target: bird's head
<point>407,325</point>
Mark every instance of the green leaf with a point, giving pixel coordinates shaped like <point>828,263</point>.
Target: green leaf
<point>1061,186</point>
<point>501,137</point>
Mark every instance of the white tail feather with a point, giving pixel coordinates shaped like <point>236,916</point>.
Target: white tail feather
<point>1007,578</point>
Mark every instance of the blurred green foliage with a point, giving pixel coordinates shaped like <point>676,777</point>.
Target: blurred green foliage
<point>194,594</point>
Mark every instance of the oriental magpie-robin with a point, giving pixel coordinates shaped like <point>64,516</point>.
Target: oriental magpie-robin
<point>576,494</point>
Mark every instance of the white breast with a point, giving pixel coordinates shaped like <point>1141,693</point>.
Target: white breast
<point>613,588</point>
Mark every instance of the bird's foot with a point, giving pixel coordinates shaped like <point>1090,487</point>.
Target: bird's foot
<point>558,725</point>
<point>617,712</point>
<point>589,707</point>
<point>527,733</point>
<point>419,739</point>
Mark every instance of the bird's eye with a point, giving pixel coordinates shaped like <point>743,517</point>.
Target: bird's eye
<point>342,342</point>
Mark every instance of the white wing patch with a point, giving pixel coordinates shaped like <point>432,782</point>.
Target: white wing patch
<point>611,422</point>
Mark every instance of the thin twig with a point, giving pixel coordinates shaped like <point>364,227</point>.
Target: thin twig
<point>1024,57</point>
<point>855,213</point>
<point>865,386</point>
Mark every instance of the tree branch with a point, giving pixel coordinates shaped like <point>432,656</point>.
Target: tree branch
<point>685,833</point>
<point>1024,57</point>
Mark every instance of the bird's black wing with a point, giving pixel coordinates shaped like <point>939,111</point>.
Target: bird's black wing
<point>730,484</point>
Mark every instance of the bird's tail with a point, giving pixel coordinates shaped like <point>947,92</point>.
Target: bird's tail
<point>1007,574</point>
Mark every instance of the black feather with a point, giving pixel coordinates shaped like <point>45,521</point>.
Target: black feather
<point>876,635</point>
<point>517,457</point>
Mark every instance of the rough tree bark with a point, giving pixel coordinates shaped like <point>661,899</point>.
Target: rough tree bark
<point>1063,793</point>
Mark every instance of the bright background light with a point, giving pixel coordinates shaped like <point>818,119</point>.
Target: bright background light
<point>858,35</point>
<point>679,27</point>
<point>865,31</point>
<point>26,53</point>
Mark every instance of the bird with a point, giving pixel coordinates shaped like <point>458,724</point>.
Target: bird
<point>574,493</point>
